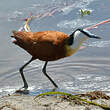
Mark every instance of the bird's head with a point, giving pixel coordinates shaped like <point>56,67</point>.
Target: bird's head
<point>81,35</point>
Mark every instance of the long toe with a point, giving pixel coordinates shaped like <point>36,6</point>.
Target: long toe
<point>22,91</point>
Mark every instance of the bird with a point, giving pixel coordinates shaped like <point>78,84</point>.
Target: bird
<point>49,46</point>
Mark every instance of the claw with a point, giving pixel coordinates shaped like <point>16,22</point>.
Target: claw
<point>22,91</point>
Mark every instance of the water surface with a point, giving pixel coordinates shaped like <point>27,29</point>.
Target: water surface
<point>87,70</point>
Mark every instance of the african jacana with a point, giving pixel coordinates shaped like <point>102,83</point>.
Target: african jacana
<point>49,46</point>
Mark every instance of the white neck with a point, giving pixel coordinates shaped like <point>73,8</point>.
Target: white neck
<point>79,38</point>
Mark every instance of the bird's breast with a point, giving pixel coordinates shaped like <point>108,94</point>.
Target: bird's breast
<point>70,51</point>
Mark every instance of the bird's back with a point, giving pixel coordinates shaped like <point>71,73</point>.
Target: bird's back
<point>53,37</point>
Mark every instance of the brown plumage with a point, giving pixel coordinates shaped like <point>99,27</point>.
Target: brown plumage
<point>45,45</point>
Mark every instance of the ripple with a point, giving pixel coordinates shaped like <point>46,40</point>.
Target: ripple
<point>82,4</point>
<point>84,74</point>
<point>14,15</point>
<point>76,23</point>
<point>36,63</point>
<point>87,84</point>
<point>99,44</point>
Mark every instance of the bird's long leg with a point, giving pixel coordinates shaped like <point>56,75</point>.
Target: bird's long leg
<point>44,71</point>
<point>23,77</point>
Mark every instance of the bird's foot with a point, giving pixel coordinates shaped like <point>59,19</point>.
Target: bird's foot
<point>54,89</point>
<point>22,90</point>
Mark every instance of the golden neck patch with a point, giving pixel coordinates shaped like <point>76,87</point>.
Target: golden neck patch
<point>69,50</point>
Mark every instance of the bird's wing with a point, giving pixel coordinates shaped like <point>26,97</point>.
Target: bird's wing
<point>53,37</point>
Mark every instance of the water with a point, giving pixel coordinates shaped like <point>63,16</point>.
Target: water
<point>87,70</point>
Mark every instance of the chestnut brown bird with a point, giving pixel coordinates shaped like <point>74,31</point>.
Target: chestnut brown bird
<point>49,46</point>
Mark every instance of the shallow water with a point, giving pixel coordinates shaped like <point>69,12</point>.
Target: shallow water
<point>87,70</point>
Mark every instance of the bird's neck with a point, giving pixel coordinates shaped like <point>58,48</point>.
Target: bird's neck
<point>71,49</point>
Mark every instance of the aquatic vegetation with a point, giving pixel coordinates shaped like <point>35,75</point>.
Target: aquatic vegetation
<point>79,99</point>
<point>85,12</point>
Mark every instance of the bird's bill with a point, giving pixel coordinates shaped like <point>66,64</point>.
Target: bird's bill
<point>90,35</point>
<point>94,36</point>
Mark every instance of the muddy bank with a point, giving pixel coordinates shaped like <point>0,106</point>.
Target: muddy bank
<point>25,102</point>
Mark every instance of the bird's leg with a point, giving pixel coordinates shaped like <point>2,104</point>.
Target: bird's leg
<point>44,71</point>
<point>24,88</point>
